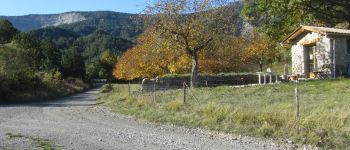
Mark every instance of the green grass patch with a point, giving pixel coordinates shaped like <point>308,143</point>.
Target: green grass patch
<point>39,142</point>
<point>11,135</point>
<point>262,111</point>
<point>174,105</point>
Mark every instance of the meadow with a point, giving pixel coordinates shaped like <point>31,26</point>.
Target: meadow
<point>260,111</point>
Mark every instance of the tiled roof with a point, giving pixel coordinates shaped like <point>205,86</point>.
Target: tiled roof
<point>320,30</point>
<point>329,30</point>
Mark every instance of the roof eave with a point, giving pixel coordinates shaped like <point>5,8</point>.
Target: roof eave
<point>337,34</point>
<point>298,32</point>
<point>288,39</point>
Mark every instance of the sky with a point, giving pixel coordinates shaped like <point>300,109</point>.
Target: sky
<point>25,7</point>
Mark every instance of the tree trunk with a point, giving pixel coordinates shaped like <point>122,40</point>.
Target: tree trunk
<point>194,70</point>
<point>261,66</point>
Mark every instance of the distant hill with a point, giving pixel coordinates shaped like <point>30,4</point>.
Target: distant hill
<point>82,23</point>
<point>32,22</point>
<point>115,23</point>
<point>91,33</point>
<point>95,32</point>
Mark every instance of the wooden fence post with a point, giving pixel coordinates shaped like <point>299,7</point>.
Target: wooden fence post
<point>129,89</point>
<point>297,102</point>
<point>184,88</point>
<point>154,91</point>
<point>285,72</point>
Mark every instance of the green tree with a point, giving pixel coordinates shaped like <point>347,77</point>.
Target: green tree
<point>7,31</point>
<point>16,64</point>
<point>51,55</point>
<point>30,46</point>
<point>44,54</point>
<point>107,61</point>
<point>278,18</point>
<point>92,70</point>
<point>73,63</point>
<point>328,11</point>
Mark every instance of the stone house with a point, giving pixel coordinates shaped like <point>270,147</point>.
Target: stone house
<point>319,50</point>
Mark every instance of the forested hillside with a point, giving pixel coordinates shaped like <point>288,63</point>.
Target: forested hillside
<point>45,59</point>
<point>98,32</point>
<point>88,33</point>
<point>35,69</point>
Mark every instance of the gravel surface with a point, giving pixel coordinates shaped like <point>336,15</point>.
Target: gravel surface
<point>76,122</point>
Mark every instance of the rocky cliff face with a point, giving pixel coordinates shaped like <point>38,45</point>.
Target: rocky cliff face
<point>31,22</point>
<point>66,18</point>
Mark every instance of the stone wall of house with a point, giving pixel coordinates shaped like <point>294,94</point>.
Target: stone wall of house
<point>297,59</point>
<point>299,56</point>
<point>341,56</point>
<point>324,55</point>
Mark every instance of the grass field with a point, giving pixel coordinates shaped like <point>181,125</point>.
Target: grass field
<point>262,111</point>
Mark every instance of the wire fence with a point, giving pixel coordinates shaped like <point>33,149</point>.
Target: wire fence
<point>179,90</point>
<point>163,95</point>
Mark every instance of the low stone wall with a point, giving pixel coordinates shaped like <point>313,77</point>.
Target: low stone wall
<point>203,81</point>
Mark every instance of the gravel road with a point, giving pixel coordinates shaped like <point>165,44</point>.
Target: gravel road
<point>76,122</point>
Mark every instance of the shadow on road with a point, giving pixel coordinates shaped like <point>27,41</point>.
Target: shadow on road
<point>87,98</point>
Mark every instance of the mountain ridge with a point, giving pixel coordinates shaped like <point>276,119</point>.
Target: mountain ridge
<point>37,21</point>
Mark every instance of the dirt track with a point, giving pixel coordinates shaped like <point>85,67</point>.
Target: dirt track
<point>76,122</point>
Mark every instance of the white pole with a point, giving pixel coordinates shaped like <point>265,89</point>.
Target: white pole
<point>276,79</point>
<point>259,74</point>
<point>270,78</point>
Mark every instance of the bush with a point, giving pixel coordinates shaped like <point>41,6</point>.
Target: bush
<point>106,88</point>
<point>5,91</point>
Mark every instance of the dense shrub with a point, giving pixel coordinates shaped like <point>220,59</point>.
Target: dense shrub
<point>44,85</point>
<point>106,88</point>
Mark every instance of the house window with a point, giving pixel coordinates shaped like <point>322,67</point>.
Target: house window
<point>348,46</point>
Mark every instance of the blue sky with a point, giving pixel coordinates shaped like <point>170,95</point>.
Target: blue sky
<point>25,7</point>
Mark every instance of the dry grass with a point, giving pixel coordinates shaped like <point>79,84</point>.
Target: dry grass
<point>263,111</point>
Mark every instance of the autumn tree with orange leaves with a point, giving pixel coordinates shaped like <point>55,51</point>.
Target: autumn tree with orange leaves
<point>258,50</point>
<point>152,56</point>
<point>191,25</point>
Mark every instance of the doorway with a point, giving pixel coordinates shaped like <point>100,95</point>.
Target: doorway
<point>311,60</point>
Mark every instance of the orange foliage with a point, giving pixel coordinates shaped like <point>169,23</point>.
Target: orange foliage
<point>258,50</point>
<point>152,56</point>
<point>224,58</point>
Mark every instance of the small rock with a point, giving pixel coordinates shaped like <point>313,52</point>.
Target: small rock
<point>304,140</point>
<point>100,140</point>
